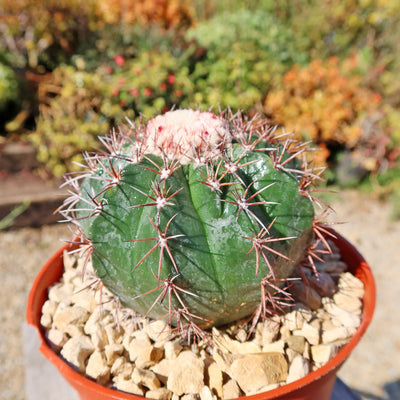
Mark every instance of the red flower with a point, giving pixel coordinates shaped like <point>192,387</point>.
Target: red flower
<point>376,98</point>
<point>147,92</point>
<point>122,103</point>
<point>178,93</point>
<point>171,79</point>
<point>134,92</point>
<point>163,86</point>
<point>115,91</point>
<point>119,60</point>
<point>108,70</point>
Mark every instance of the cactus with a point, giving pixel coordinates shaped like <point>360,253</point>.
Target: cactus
<point>195,217</point>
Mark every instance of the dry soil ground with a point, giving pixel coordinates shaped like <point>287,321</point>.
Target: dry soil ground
<point>373,370</point>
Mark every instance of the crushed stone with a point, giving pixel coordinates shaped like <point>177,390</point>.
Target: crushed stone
<point>140,355</point>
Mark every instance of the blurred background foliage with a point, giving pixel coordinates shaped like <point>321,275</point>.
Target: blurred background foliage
<point>245,51</point>
<point>327,69</point>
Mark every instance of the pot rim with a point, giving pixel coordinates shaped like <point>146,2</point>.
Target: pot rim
<point>49,274</point>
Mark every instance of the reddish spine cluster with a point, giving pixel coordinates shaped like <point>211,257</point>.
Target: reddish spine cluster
<point>222,171</point>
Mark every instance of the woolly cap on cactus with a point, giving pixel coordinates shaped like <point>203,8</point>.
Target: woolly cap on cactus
<point>195,217</point>
<point>185,134</point>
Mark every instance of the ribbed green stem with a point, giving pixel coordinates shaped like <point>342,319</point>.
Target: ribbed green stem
<point>212,243</point>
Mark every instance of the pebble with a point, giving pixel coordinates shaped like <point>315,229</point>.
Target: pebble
<point>252,371</point>
<point>144,377</point>
<point>285,332</point>
<point>298,369</point>
<point>188,375</point>
<point>278,347</point>
<point>128,386</point>
<point>99,337</point>
<point>348,302</point>
<point>267,331</point>
<point>114,334</point>
<point>122,368</point>
<point>76,350</point>
<point>290,355</point>
<point>348,283</point>
<point>159,394</point>
<point>46,321</point>
<point>158,331</point>
<point>227,344</point>
<point>57,337</point>
<point>73,330</point>
<point>307,351</point>
<point>206,394</point>
<point>241,335</point>
<point>223,360</point>
<point>342,316</point>
<point>294,320</point>
<point>85,300</point>
<point>337,333</point>
<point>215,379</point>
<point>163,368</point>
<point>296,343</point>
<point>93,321</point>
<point>113,352</point>
<point>172,350</point>
<point>190,396</point>
<point>309,332</point>
<point>322,353</point>
<point>142,352</point>
<point>61,292</point>
<point>231,390</point>
<point>49,307</point>
<point>97,367</point>
<point>266,388</point>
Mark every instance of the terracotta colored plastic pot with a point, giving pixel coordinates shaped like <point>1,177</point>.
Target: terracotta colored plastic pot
<point>317,385</point>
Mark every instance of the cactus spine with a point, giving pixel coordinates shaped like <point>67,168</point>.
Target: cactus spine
<point>194,217</point>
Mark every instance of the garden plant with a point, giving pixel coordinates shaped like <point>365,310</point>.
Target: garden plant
<point>184,212</point>
<point>192,54</point>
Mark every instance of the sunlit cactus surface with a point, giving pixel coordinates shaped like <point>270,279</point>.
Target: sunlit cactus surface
<point>195,217</point>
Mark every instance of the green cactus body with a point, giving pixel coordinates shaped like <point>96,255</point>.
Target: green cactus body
<point>195,240</point>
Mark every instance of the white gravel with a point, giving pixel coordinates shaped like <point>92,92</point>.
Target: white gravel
<point>373,369</point>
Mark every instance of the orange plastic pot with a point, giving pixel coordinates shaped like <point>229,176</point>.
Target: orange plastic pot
<point>317,385</point>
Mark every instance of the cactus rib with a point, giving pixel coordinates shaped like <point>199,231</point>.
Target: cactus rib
<point>199,210</point>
